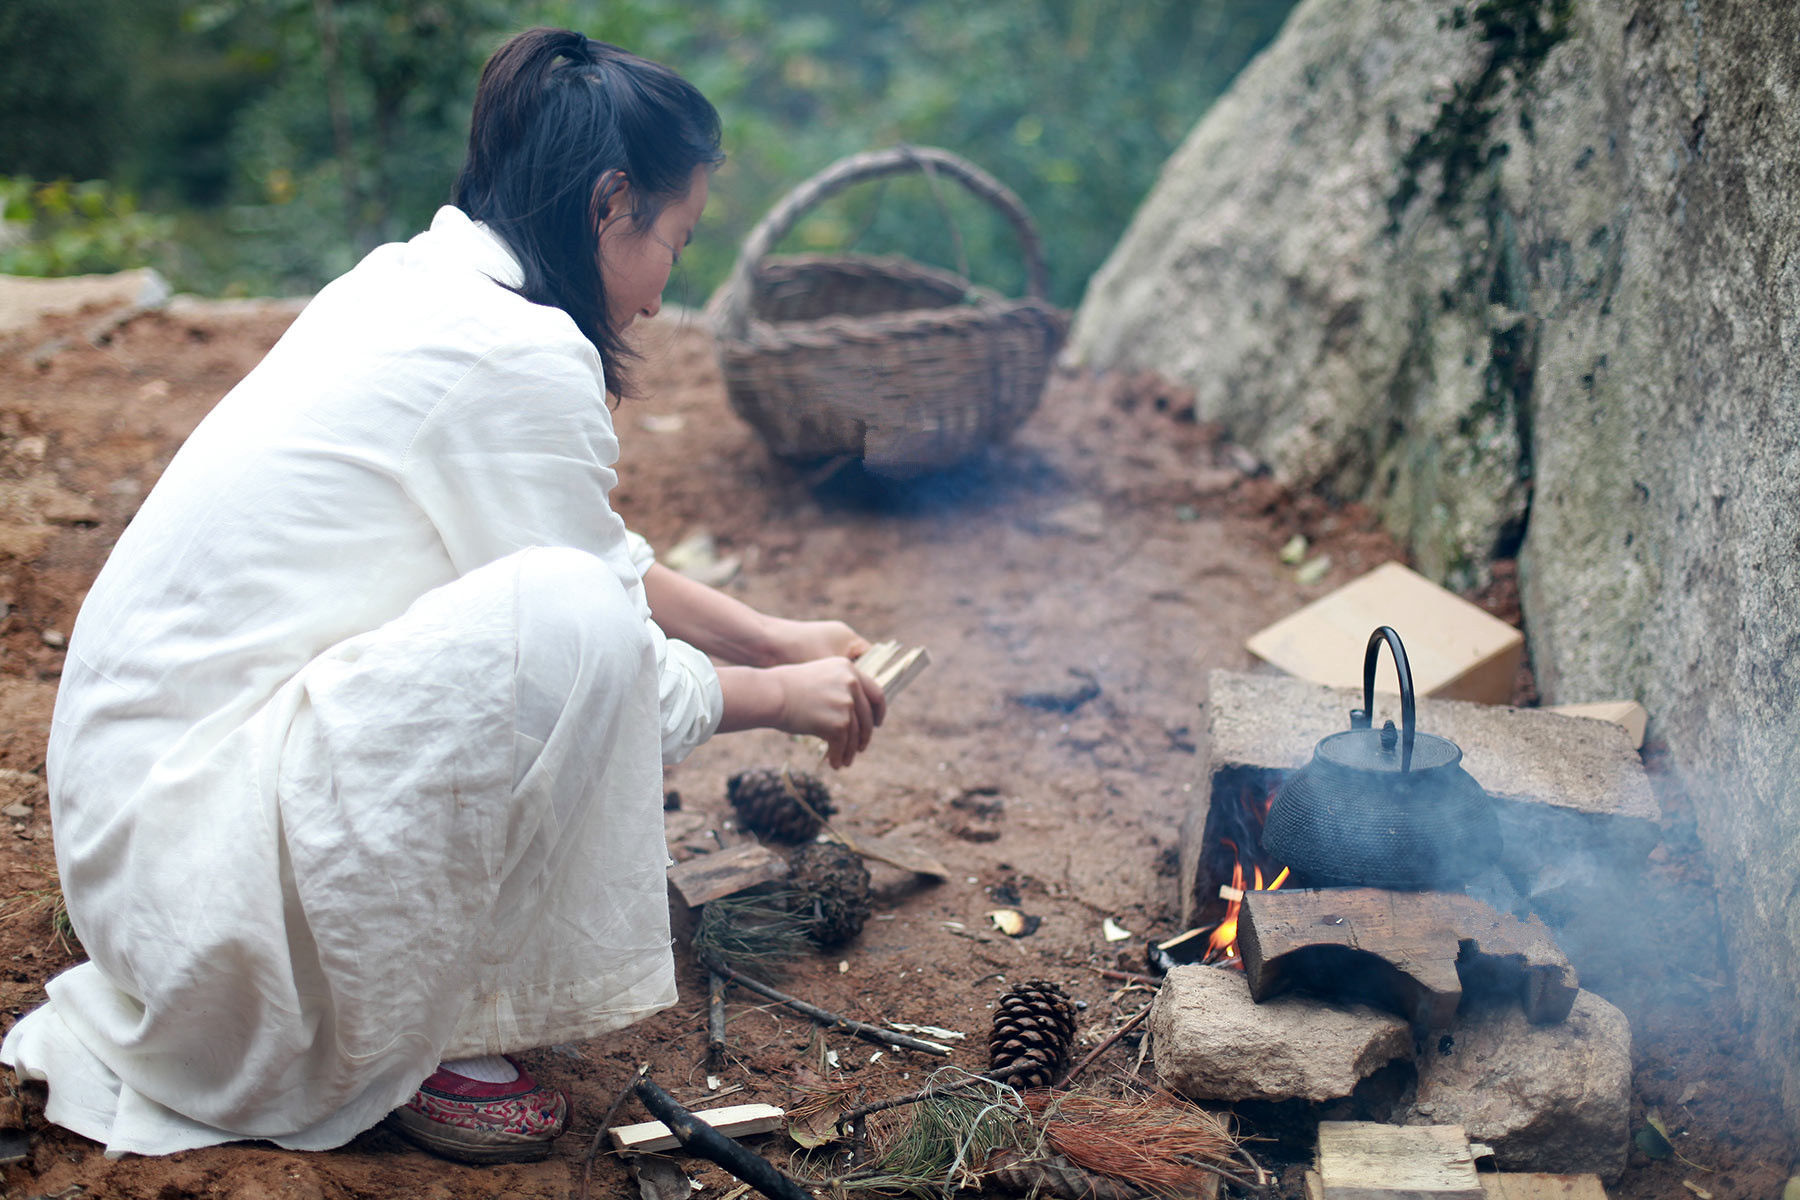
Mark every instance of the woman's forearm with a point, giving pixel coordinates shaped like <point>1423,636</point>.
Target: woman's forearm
<point>753,699</point>
<point>704,617</point>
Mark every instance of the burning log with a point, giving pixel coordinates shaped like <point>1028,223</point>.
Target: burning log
<point>1410,952</point>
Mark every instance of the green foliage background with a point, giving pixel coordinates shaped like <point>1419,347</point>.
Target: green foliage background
<point>278,140</point>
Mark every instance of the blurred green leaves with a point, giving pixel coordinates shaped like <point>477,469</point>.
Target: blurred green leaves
<point>288,136</point>
<point>63,228</point>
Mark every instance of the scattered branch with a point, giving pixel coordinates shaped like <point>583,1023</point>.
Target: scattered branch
<point>1097,1051</point>
<point>697,1137</point>
<point>831,1020</point>
<point>715,1021</point>
<point>1126,976</point>
<point>612,1110</point>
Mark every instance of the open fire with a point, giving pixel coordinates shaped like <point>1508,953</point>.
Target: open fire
<point>1250,871</point>
<point>1222,949</point>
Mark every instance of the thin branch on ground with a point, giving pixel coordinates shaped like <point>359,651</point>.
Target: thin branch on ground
<point>697,1137</point>
<point>830,1020</point>
<point>1102,1048</point>
<point>715,1021</point>
<point>612,1110</point>
<point>1126,976</point>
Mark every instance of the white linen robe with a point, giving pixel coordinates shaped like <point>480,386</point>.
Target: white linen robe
<point>357,758</point>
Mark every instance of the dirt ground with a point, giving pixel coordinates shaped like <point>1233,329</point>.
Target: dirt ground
<point>1113,540</point>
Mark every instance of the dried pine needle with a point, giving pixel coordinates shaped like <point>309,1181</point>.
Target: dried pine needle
<point>43,901</point>
<point>939,1143</point>
<point>947,1140</point>
<point>1150,1141</point>
<point>759,930</point>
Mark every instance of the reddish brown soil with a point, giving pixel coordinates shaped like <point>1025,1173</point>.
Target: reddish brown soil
<point>1113,537</point>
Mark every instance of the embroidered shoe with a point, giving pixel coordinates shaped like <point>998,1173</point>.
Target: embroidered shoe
<point>469,1121</point>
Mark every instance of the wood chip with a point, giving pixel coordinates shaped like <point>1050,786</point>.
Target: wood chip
<point>735,1120</point>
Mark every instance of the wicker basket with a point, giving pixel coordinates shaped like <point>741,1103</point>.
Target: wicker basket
<point>909,368</point>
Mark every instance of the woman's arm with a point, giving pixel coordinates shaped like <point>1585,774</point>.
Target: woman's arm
<point>732,631</point>
<point>828,698</point>
<point>794,676</point>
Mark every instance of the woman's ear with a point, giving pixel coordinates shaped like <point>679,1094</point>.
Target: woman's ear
<point>612,197</point>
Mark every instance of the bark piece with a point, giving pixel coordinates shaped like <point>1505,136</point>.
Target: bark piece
<point>709,876</point>
<point>1410,952</point>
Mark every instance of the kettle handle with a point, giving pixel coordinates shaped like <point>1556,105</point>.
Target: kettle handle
<point>1361,718</point>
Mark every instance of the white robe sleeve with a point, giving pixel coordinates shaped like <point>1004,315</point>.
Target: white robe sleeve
<point>642,556</point>
<point>520,452</point>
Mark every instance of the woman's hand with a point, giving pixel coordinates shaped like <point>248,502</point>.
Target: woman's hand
<point>830,699</point>
<point>827,698</point>
<point>804,641</point>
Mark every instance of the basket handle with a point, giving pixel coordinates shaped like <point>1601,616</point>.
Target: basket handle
<point>734,302</point>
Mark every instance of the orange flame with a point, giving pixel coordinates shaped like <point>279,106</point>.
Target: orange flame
<point>1222,948</point>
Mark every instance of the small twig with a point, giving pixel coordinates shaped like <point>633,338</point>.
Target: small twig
<point>1257,1187</point>
<point>787,783</point>
<point>697,1137</point>
<point>715,1021</point>
<point>1097,1051</point>
<point>830,1020</point>
<point>612,1110</point>
<point>1126,976</point>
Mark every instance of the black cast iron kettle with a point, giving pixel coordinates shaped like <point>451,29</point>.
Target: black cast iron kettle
<point>1383,808</point>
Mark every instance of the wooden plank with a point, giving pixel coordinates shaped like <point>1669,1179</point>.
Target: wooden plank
<point>902,670</point>
<point>894,666</point>
<point>709,876</point>
<point>876,657</point>
<point>1413,953</point>
<point>736,1120</point>
<point>1362,1160</point>
<point>1627,714</point>
<point>1315,1190</point>
<point>1457,651</point>
<point>1515,1186</point>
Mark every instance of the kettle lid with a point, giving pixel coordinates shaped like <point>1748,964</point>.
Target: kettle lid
<point>1379,750</point>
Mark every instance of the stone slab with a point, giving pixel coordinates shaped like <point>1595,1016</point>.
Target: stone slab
<point>1211,1041</point>
<point>1553,1098</point>
<point>1566,789</point>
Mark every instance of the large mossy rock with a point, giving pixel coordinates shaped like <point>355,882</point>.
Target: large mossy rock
<point>1525,274</point>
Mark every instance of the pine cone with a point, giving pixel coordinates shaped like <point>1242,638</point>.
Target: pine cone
<point>834,889</point>
<point>769,802</point>
<point>1033,1029</point>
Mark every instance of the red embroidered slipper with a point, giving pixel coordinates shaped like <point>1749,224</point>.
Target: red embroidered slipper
<point>469,1121</point>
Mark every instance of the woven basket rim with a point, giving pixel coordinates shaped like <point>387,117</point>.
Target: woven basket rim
<point>983,304</point>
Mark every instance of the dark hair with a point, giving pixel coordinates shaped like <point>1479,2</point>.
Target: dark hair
<point>557,115</point>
